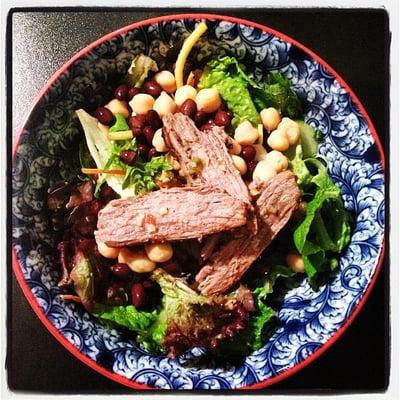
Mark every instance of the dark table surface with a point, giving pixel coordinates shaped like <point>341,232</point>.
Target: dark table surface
<point>354,43</point>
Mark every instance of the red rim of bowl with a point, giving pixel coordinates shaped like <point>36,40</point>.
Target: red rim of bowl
<point>198,16</point>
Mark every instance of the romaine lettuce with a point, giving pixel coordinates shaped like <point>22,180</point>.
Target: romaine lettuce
<point>149,326</point>
<point>232,83</point>
<point>276,92</point>
<point>325,230</point>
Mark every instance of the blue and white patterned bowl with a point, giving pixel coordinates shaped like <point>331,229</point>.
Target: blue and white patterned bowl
<point>311,321</point>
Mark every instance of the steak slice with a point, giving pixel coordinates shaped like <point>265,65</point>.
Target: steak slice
<point>203,156</point>
<point>169,214</point>
<point>278,200</point>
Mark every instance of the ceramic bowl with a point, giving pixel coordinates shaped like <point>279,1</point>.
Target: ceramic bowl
<point>46,153</point>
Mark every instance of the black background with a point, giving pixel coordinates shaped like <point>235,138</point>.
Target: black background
<point>356,44</point>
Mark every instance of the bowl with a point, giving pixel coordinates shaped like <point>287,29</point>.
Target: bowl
<point>311,321</point>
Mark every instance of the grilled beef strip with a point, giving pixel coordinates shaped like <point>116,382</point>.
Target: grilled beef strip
<point>279,198</point>
<point>203,156</point>
<point>169,214</point>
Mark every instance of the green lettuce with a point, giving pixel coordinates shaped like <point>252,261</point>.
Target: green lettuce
<point>253,337</point>
<point>276,92</point>
<point>142,176</point>
<point>120,124</point>
<point>196,320</point>
<point>114,162</point>
<point>139,70</point>
<point>183,320</point>
<point>149,326</point>
<point>139,178</point>
<point>265,313</point>
<point>325,230</point>
<point>245,97</point>
<point>226,75</point>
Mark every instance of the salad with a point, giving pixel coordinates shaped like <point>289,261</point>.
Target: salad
<point>200,195</point>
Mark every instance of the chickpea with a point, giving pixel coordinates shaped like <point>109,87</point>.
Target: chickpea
<point>107,252</point>
<point>245,133</point>
<point>286,121</point>
<point>261,153</point>
<point>263,171</point>
<point>159,252</point>
<point>183,93</point>
<point>291,128</point>
<point>278,140</point>
<point>208,100</point>
<point>118,107</point>
<point>164,105</point>
<point>166,80</point>
<point>233,146</point>
<point>137,261</point>
<point>103,128</point>
<point>158,141</point>
<point>141,103</point>
<point>295,262</point>
<point>240,164</point>
<point>270,118</point>
<point>277,160</point>
<point>293,134</point>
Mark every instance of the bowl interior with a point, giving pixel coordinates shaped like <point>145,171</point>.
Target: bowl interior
<point>47,154</point>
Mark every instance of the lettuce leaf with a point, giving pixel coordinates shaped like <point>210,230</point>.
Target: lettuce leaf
<point>141,177</point>
<point>196,320</point>
<point>245,97</point>
<point>82,277</point>
<point>226,75</point>
<point>139,70</point>
<point>325,230</point>
<point>276,92</point>
<point>149,326</point>
<point>120,124</point>
<point>99,147</point>
<point>263,319</point>
<point>138,179</point>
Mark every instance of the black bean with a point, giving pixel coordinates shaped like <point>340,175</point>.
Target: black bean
<point>121,92</point>
<point>115,294</point>
<point>172,268</point>
<point>208,125</point>
<point>152,153</point>
<point>133,92</point>
<point>189,108</point>
<point>137,121</point>
<point>153,119</point>
<point>250,169</point>
<point>152,88</point>
<point>121,271</point>
<point>223,118</point>
<point>143,150</point>
<point>138,295</point>
<point>248,153</point>
<point>104,116</point>
<point>128,157</point>
<point>200,118</point>
<point>148,132</point>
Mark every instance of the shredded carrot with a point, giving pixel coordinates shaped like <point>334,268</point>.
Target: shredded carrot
<point>71,297</point>
<point>93,171</point>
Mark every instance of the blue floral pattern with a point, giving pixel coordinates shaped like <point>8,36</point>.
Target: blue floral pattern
<point>308,319</point>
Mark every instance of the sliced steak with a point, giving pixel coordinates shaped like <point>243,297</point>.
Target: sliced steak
<point>203,156</point>
<point>169,214</point>
<point>278,200</point>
